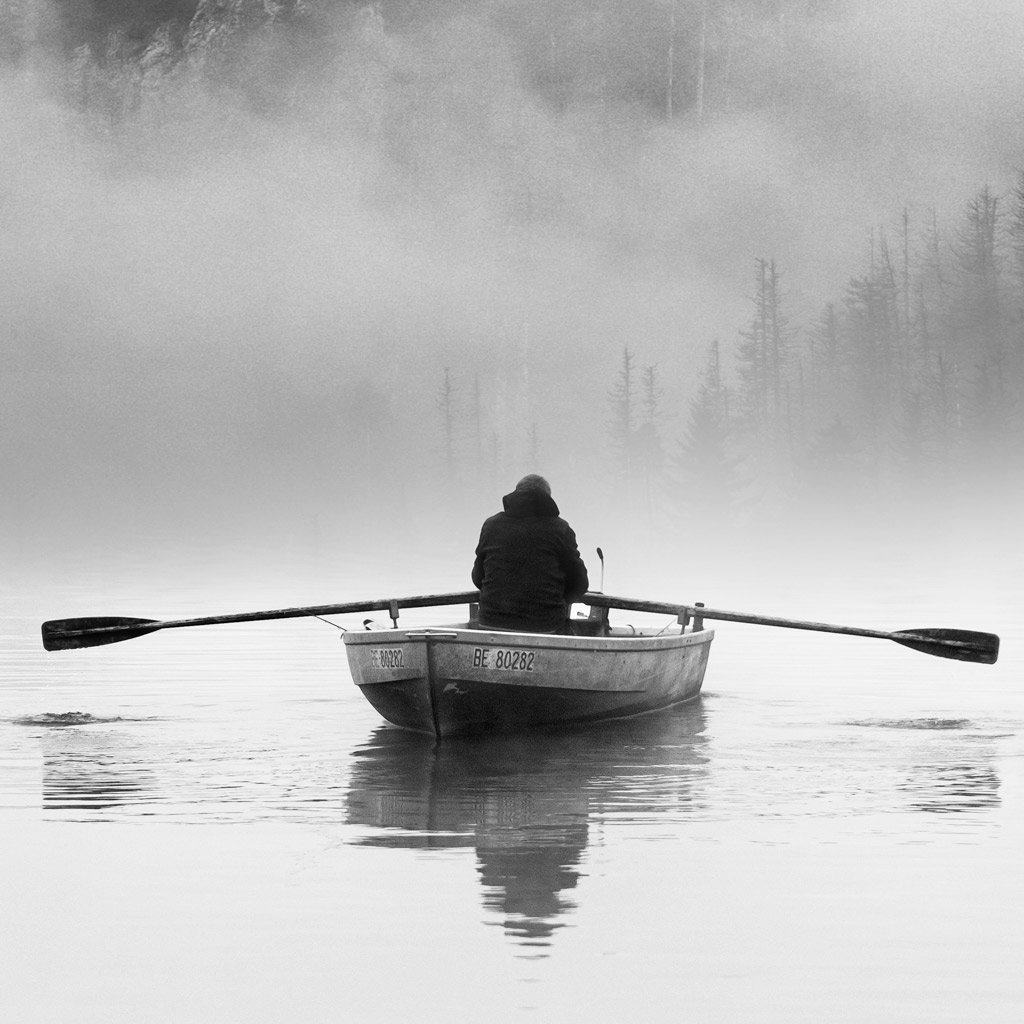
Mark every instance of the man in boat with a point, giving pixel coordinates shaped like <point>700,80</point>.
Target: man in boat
<point>528,567</point>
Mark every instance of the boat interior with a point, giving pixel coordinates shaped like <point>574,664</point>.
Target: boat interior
<point>593,624</point>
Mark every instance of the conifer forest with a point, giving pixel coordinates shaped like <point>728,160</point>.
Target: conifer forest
<point>708,264</point>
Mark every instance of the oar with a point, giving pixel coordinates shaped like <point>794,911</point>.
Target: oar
<point>64,634</point>
<point>961,644</point>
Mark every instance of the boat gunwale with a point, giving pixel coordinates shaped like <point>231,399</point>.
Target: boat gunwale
<point>462,634</point>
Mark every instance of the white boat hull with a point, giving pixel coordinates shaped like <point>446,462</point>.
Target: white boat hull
<point>452,680</point>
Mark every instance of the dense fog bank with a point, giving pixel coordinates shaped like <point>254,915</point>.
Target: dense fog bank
<point>275,273</point>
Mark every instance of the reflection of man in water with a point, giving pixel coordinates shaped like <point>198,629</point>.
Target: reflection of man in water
<point>528,568</point>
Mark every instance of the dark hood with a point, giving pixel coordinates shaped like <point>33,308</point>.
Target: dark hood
<point>522,504</point>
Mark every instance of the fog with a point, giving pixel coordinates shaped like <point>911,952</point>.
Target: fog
<point>233,276</point>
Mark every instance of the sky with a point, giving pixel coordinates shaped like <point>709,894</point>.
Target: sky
<point>225,321</point>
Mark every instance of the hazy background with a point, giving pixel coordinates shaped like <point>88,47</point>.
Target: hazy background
<point>242,243</point>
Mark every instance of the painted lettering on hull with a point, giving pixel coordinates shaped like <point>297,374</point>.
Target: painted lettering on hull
<point>387,657</point>
<point>503,659</point>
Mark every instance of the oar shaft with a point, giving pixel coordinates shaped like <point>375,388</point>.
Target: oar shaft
<point>663,608</point>
<point>59,631</point>
<point>382,604</point>
<point>959,640</point>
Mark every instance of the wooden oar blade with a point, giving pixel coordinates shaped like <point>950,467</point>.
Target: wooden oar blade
<point>960,644</point>
<point>66,634</point>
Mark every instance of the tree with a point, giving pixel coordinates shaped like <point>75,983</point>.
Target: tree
<point>707,469</point>
<point>764,362</point>
<point>622,428</point>
<point>872,343</point>
<point>979,325</point>
<point>647,439</point>
<point>1017,248</point>
<point>825,371</point>
<point>979,269</point>
<point>446,408</point>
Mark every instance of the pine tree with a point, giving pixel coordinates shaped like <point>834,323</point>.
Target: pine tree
<point>647,439</point>
<point>1017,248</point>
<point>872,343</point>
<point>623,425</point>
<point>980,326</point>
<point>825,370</point>
<point>945,411</point>
<point>706,467</point>
<point>765,393</point>
<point>764,353</point>
<point>446,409</point>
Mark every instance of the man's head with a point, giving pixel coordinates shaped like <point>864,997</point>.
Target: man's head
<point>533,482</point>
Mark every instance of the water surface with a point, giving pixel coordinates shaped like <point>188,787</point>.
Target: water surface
<point>213,825</point>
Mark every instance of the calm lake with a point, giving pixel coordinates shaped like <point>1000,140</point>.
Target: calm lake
<point>213,825</point>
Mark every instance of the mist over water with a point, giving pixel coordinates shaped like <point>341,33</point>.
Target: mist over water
<point>232,284</point>
<point>238,253</point>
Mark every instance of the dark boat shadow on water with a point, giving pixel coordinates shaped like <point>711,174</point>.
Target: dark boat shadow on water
<point>528,804</point>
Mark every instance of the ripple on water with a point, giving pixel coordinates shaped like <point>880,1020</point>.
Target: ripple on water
<point>52,719</point>
<point>68,719</point>
<point>913,723</point>
<point>952,788</point>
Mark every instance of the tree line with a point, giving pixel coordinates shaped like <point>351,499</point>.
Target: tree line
<point>911,382</point>
<point>671,59</point>
<point>908,385</point>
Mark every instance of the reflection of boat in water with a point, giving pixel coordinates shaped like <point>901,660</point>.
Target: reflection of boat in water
<point>526,802</point>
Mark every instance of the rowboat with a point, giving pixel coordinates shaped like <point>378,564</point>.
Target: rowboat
<point>444,680</point>
<point>462,678</point>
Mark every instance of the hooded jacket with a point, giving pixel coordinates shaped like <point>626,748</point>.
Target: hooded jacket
<point>528,567</point>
